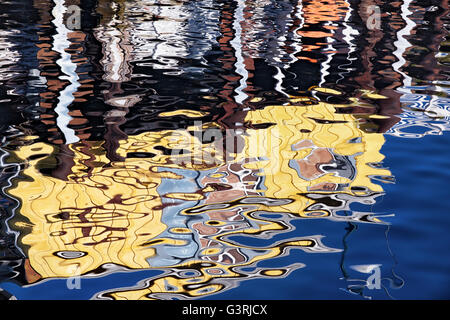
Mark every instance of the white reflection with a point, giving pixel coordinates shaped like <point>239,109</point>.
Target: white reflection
<point>60,44</point>
<point>236,43</point>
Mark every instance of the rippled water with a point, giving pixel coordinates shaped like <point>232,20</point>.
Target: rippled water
<point>219,149</point>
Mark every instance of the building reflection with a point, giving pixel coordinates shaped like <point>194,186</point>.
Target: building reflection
<point>152,211</point>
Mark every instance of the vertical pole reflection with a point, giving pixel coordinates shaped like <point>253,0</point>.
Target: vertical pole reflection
<point>60,44</point>
<point>350,228</point>
<point>402,44</point>
<point>114,34</point>
<point>329,52</point>
<point>236,43</point>
<point>349,34</point>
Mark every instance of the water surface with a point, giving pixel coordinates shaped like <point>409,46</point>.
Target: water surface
<point>220,149</point>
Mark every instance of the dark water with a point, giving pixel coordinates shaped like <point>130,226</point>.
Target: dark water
<point>224,149</point>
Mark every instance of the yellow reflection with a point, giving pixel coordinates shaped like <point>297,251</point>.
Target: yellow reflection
<point>117,212</point>
<point>184,112</point>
